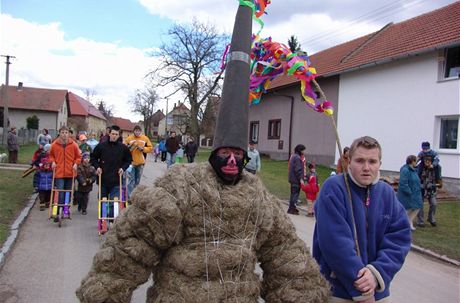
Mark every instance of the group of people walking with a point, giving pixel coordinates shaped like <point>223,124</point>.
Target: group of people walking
<point>172,150</point>
<point>109,160</point>
<point>420,179</point>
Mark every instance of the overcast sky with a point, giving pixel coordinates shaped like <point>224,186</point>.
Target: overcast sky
<point>104,45</point>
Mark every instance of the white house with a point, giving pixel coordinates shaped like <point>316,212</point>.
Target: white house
<point>400,85</point>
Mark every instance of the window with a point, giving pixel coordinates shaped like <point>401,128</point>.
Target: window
<point>254,131</point>
<point>452,68</point>
<point>274,129</point>
<point>448,138</point>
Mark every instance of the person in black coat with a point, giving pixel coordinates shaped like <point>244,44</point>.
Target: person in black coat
<point>172,145</point>
<point>110,159</point>
<point>296,175</point>
<point>191,149</point>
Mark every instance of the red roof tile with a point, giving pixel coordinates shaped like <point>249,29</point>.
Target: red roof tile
<point>34,98</point>
<point>81,107</point>
<point>430,31</point>
<point>124,124</point>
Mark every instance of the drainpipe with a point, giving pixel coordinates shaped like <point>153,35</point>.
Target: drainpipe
<point>291,114</point>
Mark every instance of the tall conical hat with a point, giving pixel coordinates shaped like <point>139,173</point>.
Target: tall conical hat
<point>232,120</point>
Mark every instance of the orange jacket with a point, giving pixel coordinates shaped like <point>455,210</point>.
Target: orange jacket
<point>65,156</point>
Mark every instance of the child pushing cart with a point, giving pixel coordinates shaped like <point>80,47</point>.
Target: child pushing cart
<point>60,200</point>
<point>111,160</point>
<point>64,156</point>
<point>110,205</point>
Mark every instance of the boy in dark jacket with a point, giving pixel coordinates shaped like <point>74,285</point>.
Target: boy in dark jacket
<point>111,159</point>
<point>86,176</point>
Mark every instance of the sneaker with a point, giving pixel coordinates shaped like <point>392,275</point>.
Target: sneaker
<point>56,219</point>
<point>412,228</point>
<point>433,223</point>
<point>293,211</point>
<point>83,212</point>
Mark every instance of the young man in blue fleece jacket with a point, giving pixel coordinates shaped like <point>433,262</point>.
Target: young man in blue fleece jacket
<point>360,271</point>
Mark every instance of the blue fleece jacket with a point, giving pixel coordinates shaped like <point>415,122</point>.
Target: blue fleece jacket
<point>382,229</point>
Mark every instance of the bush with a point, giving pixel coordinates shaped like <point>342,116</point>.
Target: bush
<point>33,122</point>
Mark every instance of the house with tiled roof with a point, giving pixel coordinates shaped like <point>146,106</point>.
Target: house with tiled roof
<point>126,126</point>
<point>177,120</point>
<point>49,105</point>
<point>400,85</point>
<point>155,123</point>
<point>84,116</point>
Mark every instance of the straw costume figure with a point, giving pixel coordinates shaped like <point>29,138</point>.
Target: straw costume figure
<point>202,227</point>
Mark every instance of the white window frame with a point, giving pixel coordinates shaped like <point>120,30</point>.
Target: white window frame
<point>438,135</point>
<point>442,62</point>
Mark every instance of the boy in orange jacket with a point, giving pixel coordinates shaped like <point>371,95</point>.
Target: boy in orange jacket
<point>64,156</point>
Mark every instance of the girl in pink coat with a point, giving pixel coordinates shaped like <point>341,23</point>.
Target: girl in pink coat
<point>311,189</point>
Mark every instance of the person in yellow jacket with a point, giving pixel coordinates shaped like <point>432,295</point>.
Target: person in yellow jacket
<point>140,146</point>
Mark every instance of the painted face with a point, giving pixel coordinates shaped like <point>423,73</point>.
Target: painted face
<point>114,135</point>
<point>365,165</point>
<point>137,132</point>
<point>228,163</point>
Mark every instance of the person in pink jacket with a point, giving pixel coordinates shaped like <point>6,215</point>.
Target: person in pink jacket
<point>311,189</point>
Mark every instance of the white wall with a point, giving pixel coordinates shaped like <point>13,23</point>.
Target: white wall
<point>18,118</point>
<point>397,103</point>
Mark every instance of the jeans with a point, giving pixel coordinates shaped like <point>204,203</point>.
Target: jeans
<point>295,191</point>
<point>170,159</point>
<point>62,183</point>
<point>163,156</point>
<point>110,192</point>
<point>137,174</point>
<point>431,211</point>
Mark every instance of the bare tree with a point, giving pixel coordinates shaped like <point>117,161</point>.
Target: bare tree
<point>144,102</point>
<point>190,62</point>
<point>90,94</point>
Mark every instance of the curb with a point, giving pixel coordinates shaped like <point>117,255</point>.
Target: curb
<point>414,247</point>
<point>14,229</point>
<point>430,253</point>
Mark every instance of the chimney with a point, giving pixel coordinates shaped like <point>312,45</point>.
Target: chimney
<point>19,86</point>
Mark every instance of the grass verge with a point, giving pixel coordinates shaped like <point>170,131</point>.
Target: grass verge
<point>443,239</point>
<point>25,152</point>
<point>14,192</point>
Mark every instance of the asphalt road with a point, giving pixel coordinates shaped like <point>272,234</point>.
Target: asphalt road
<point>47,263</point>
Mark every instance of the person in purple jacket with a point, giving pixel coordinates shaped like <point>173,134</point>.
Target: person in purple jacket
<point>362,234</point>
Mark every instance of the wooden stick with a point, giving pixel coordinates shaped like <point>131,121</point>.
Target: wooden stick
<point>345,174</point>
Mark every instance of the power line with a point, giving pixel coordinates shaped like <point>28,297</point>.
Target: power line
<point>375,14</point>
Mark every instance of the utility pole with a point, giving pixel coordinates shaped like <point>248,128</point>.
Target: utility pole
<point>166,118</point>
<point>5,99</point>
